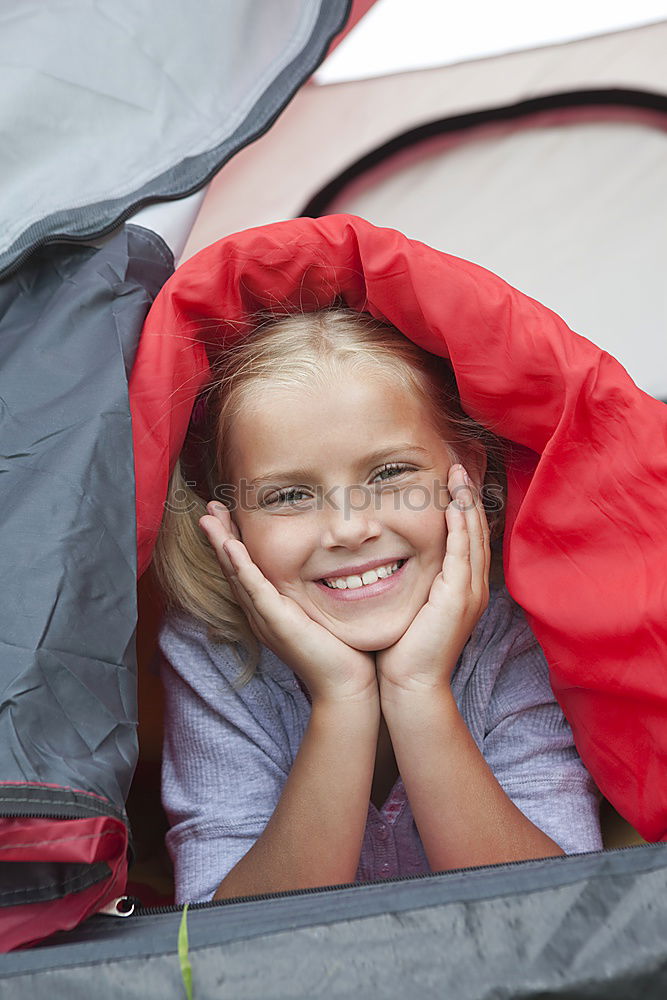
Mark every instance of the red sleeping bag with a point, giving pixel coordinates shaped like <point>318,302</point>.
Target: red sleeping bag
<point>585,549</point>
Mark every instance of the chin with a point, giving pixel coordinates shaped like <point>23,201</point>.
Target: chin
<point>359,636</point>
<point>373,642</point>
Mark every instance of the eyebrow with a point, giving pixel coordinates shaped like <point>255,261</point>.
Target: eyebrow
<point>279,476</point>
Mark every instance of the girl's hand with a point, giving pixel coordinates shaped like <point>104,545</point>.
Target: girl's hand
<point>330,669</point>
<point>426,655</point>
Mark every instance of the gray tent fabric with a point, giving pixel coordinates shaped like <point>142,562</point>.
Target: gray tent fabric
<point>105,113</point>
<point>106,108</point>
<point>576,926</point>
<point>70,322</point>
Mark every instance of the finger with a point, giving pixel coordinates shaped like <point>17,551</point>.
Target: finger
<point>458,539</point>
<point>223,517</point>
<point>486,532</point>
<point>218,527</point>
<point>279,620</point>
<point>456,563</point>
<point>259,594</point>
<point>472,519</point>
<point>484,537</point>
<point>219,537</point>
<point>476,524</point>
<point>237,580</point>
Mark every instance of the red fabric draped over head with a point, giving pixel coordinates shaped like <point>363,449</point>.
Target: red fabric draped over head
<point>584,550</point>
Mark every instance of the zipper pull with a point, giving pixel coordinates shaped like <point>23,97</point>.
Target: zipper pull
<point>124,906</point>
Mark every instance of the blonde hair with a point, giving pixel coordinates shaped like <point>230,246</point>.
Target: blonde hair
<point>293,350</point>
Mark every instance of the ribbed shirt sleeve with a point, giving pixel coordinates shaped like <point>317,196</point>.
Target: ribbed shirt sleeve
<point>226,757</point>
<point>530,748</point>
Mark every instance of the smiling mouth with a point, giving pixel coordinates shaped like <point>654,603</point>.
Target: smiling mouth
<point>369,591</point>
<point>330,581</point>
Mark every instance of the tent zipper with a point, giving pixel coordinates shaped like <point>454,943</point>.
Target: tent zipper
<point>143,911</point>
<point>50,815</point>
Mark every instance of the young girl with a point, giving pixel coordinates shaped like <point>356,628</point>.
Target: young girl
<point>351,692</point>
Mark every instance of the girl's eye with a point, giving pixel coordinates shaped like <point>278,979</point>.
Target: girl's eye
<point>283,495</point>
<point>393,467</point>
<point>287,496</point>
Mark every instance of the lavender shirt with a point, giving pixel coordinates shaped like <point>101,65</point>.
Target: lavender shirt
<point>227,754</point>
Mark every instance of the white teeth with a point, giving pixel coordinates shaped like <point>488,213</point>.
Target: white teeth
<point>370,576</point>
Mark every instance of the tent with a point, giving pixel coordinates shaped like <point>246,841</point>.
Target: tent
<point>78,281</point>
<point>561,146</point>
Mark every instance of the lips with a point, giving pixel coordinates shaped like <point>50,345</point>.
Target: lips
<point>363,568</point>
<point>399,563</point>
<point>368,592</point>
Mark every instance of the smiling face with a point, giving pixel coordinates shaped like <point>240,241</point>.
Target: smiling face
<point>351,507</point>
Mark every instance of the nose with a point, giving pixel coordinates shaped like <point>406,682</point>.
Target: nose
<point>348,519</point>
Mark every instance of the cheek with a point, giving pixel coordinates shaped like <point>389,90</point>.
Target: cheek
<point>427,530</point>
<point>274,549</point>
